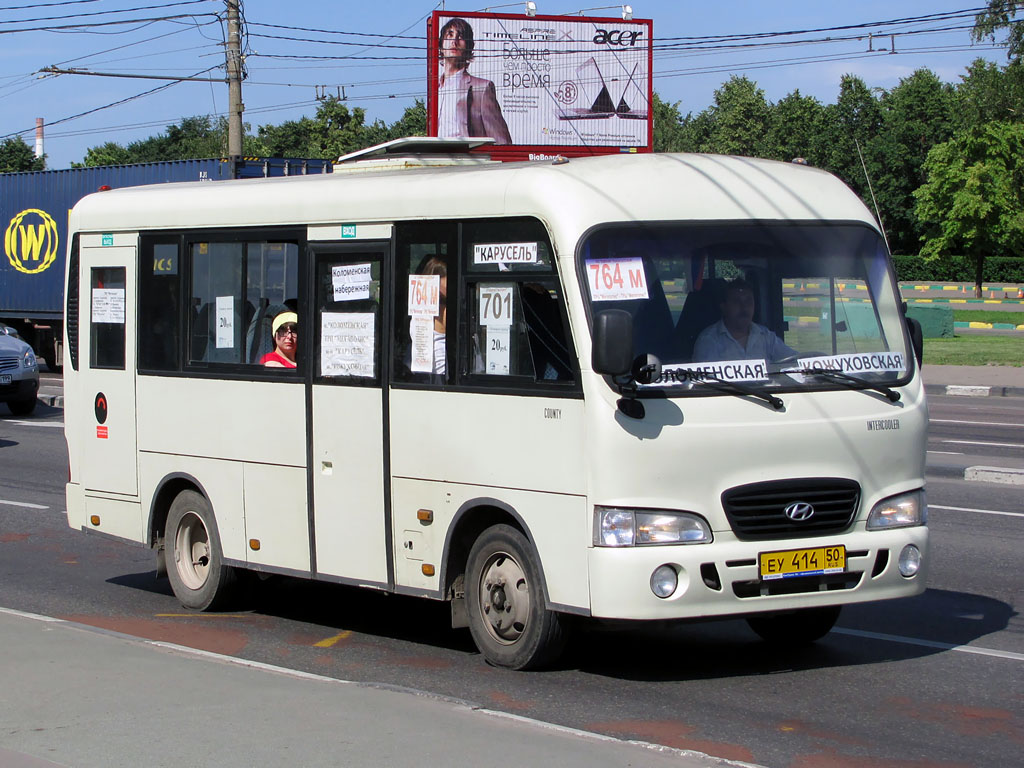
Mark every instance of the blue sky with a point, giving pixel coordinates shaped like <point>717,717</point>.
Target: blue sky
<point>280,89</point>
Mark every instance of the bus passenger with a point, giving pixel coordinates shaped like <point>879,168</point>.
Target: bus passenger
<point>286,336</point>
<point>736,336</point>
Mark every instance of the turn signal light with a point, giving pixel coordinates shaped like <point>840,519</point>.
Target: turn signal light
<point>428,569</point>
<point>254,545</point>
<point>94,519</point>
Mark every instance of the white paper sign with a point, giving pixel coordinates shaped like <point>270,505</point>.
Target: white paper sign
<point>351,282</point>
<point>498,345</point>
<point>496,305</point>
<point>346,344</point>
<point>724,370</point>
<point>225,322</point>
<point>108,305</point>
<point>864,362</point>
<point>424,295</point>
<point>505,253</point>
<point>617,279</point>
<point>421,329</point>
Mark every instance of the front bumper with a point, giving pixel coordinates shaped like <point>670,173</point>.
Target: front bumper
<point>721,579</point>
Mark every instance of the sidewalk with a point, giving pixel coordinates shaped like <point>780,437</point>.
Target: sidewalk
<point>974,380</point>
<point>83,698</point>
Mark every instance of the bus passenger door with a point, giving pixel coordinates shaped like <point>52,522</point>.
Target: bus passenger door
<point>347,462</point>
<point>107,379</point>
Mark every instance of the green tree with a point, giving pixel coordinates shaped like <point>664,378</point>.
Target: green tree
<point>193,138</point>
<point>973,201</point>
<point>989,92</point>
<point>851,126</point>
<point>668,126</point>
<point>916,115</point>
<point>16,156</point>
<point>795,128</point>
<point>110,153</point>
<point>334,131</point>
<point>739,119</point>
<point>999,15</point>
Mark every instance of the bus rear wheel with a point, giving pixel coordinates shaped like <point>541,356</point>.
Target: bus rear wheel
<point>797,628</point>
<point>506,599</point>
<point>195,559</point>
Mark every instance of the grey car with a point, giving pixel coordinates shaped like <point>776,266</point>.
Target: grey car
<point>19,375</point>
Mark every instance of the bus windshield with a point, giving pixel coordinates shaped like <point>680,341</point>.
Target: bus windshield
<point>791,305</point>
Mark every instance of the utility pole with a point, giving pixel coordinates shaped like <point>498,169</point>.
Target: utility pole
<point>234,65</point>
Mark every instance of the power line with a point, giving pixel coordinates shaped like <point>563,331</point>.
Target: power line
<point>104,13</point>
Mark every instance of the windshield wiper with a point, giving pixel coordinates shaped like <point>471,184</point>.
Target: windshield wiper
<point>738,389</point>
<point>852,382</point>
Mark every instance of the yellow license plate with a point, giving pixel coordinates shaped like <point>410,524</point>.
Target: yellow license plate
<point>802,562</point>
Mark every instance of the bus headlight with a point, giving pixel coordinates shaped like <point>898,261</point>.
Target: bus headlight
<point>619,527</point>
<point>902,511</point>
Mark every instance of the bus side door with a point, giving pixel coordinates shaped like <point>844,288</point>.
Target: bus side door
<point>347,462</point>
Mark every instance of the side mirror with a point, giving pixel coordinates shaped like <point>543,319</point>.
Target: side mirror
<point>916,338</point>
<point>612,352</point>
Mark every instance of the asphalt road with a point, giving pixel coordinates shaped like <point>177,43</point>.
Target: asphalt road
<point>929,681</point>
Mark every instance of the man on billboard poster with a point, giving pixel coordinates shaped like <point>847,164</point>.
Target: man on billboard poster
<point>467,105</point>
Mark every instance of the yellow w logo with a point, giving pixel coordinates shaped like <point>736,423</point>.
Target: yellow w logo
<point>31,246</point>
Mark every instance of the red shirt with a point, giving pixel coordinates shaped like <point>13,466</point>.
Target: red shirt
<point>273,357</point>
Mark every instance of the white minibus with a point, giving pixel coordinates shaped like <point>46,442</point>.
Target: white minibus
<point>636,387</point>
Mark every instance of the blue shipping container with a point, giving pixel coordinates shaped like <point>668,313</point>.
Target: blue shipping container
<point>34,211</point>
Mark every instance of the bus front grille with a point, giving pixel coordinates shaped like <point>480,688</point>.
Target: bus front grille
<point>759,510</point>
<point>797,586</point>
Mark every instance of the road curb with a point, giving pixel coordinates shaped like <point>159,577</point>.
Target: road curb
<point>972,390</point>
<point>54,401</point>
<point>1005,475</point>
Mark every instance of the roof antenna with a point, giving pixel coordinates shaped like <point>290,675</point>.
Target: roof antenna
<point>874,202</point>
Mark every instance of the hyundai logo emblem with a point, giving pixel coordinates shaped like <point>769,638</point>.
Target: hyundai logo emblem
<point>799,511</point>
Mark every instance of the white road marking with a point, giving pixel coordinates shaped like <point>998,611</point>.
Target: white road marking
<point>25,504</point>
<point>978,442</point>
<point>931,644</point>
<point>979,511</point>
<point>975,423</point>
<point>54,424</point>
<point>949,453</point>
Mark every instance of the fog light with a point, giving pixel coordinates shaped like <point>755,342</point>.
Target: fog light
<point>664,581</point>
<point>910,560</point>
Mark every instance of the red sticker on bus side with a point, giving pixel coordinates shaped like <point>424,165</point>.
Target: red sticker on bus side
<point>101,432</point>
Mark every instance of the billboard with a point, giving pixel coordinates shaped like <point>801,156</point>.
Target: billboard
<point>541,85</point>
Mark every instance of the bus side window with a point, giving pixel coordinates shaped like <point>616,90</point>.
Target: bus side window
<point>107,332</point>
<point>349,317</point>
<point>425,275</point>
<point>516,329</point>
<point>159,306</point>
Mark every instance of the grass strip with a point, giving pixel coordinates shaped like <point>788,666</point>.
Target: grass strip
<point>975,350</point>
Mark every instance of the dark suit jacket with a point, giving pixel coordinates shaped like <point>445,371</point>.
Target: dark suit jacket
<point>484,112</point>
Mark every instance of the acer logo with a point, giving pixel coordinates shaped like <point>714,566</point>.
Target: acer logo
<point>616,37</point>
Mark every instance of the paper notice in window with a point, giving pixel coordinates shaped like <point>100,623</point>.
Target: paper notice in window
<point>424,295</point>
<point>505,253</point>
<point>498,344</point>
<point>421,329</point>
<point>225,322</point>
<point>616,279</point>
<point>108,305</point>
<point>351,282</point>
<point>347,344</point>
<point>496,305</point>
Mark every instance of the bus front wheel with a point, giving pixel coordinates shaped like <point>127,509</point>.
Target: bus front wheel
<point>195,559</point>
<point>505,599</point>
<point>797,628</point>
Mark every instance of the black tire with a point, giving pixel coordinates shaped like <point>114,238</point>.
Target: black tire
<point>511,628</point>
<point>796,628</point>
<point>22,407</point>
<point>194,557</point>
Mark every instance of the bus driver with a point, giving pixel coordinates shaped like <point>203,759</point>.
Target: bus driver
<point>736,336</point>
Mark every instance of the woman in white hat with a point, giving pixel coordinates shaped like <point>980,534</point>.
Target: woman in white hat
<point>286,337</point>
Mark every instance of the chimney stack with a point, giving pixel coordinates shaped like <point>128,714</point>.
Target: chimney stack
<point>39,137</point>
